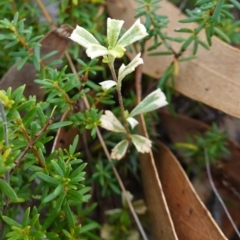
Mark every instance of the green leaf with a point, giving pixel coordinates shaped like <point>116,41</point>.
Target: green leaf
<point>47,178</point>
<point>11,44</point>
<point>57,168</point>
<point>17,94</point>
<point>26,218</point>
<point>36,62</point>
<point>78,170</point>
<point>49,55</point>
<point>222,35</point>
<point>60,124</point>
<point>28,118</point>
<point>217,10</point>
<point>236,3</point>
<point>15,19</point>
<point>187,43</point>
<point>8,191</point>
<point>195,46</point>
<point>11,222</point>
<point>37,235</point>
<point>22,62</point>
<point>69,215</point>
<point>53,195</point>
<point>161,53</point>
<point>90,226</point>
<point>74,144</point>
<point>191,19</point>
<point>76,196</point>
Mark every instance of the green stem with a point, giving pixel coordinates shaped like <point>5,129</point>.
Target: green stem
<point>6,176</point>
<point>120,100</point>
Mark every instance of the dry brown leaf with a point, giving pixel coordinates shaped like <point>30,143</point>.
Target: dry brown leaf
<point>191,218</point>
<point>161,222</point>
<point>54,40</point>
<point>213,78</point>
<point>225,174</point>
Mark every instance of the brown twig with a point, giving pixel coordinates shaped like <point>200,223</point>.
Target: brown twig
<point>31,142</point>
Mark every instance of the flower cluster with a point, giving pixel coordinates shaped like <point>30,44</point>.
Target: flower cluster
<point>116,49</point>
<point>5,99</point>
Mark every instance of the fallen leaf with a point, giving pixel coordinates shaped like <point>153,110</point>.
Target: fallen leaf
<point>225,173</point>
<point>191,218</point>
<point>161,221</point>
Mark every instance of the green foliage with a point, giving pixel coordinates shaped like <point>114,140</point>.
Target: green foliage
<point>213,17</point>
<point>56,184</point>
<point>104,176</point>
<point>213,141</point>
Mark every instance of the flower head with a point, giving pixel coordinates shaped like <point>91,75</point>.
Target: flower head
<point>116,47</point>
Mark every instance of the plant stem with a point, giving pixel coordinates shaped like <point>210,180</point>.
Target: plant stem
<point>120,100</point>
<point>31,142</point>
<point>216,192</point>
<point>4,121</point>
<point>6,175</point>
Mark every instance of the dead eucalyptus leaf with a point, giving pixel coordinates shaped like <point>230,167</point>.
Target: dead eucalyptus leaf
<point>191,218</point>
<point>225,173</point>
<point>161,221</point>
<point>213,78</point>
<point>54,40</point>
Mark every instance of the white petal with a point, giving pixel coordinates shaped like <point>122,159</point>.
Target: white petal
<point>153,101</point>
<point>119,150</point>
<point>113,30</point>
<point>83,37</point>
<point>124,70</point>
<point>142,144</point>
<point>111,123</point>
<point>107,84</point>
<point>133,34</point>
<point>132,121</point>
<point>95,50</point>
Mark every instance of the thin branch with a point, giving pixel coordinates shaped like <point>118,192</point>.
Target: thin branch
<point>217,194</point>
<point>120,100</point>
<point>33,141</point>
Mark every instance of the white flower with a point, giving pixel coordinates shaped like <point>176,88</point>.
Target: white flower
<point>113,30</point>
<point>83,37</point>
<point>142,144</point>
<point>132,121</point>
<point>107,84</point>
<point>119,150</point>
<point>111,123</point>
<point>153,101</point>
<point>133,34</point>
<point>125,70</point>
<point>116,48</point>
